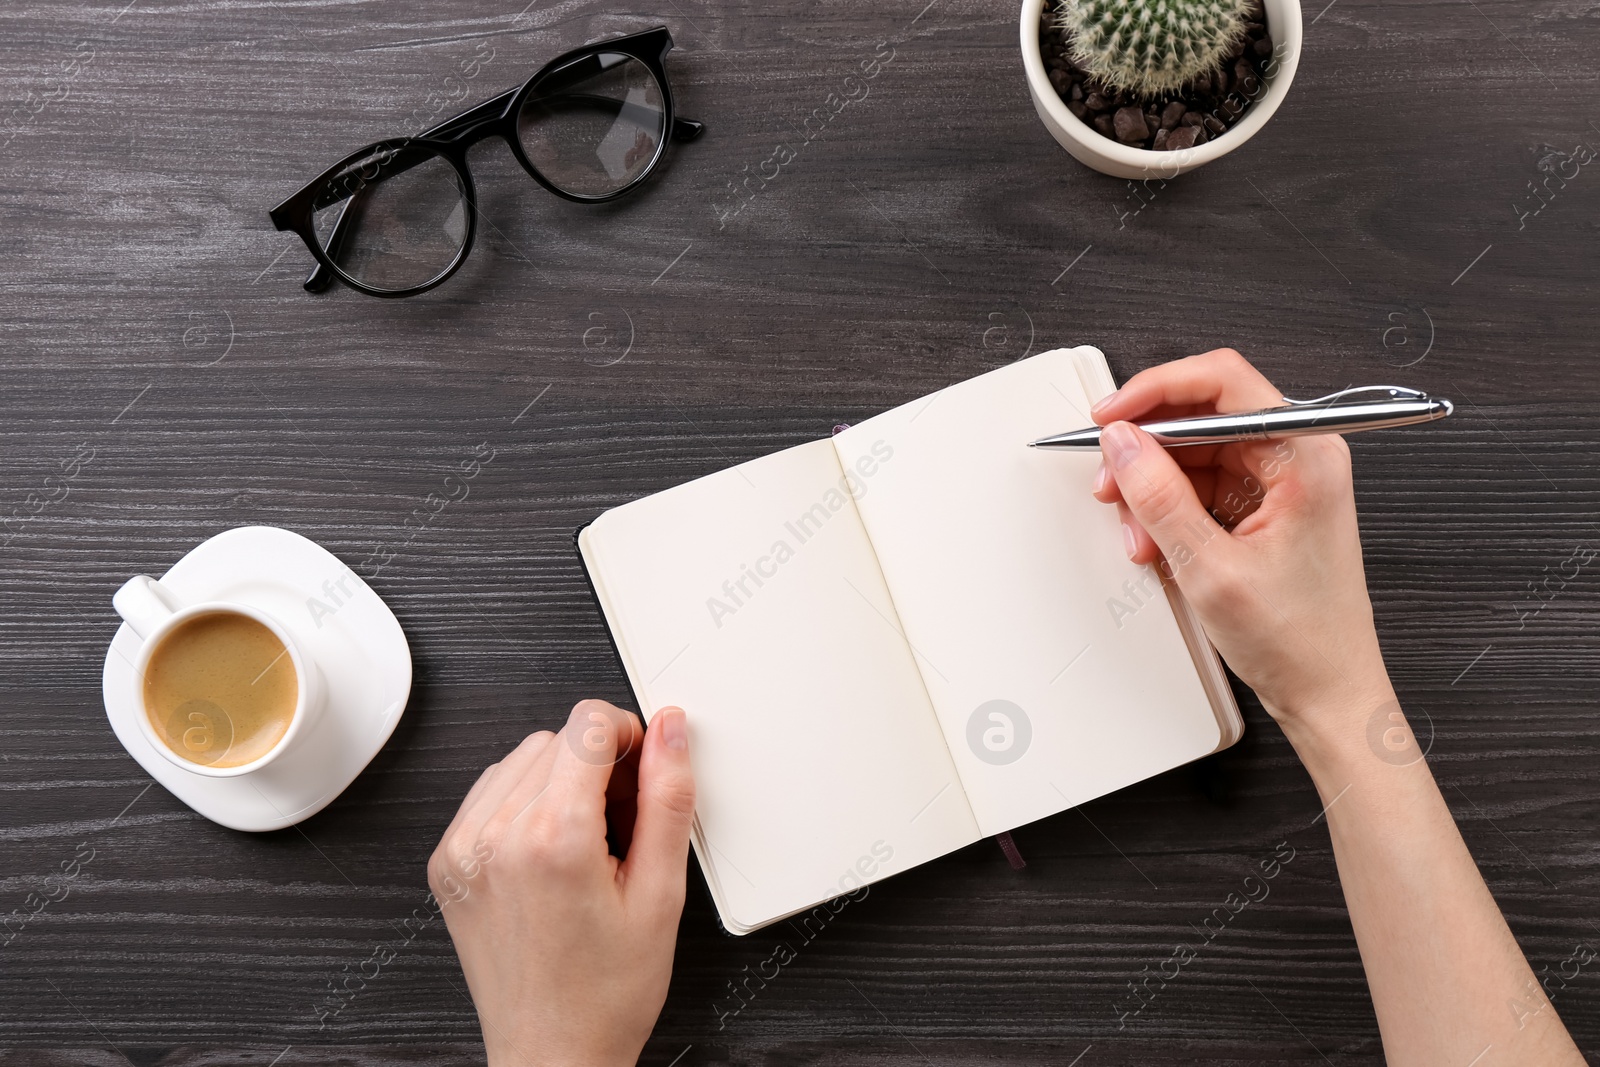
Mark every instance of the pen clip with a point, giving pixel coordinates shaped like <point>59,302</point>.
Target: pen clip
<point>1395,392</point>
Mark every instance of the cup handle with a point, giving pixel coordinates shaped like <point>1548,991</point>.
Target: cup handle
<point>143,604</point>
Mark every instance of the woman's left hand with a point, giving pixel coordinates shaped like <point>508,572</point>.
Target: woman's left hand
<point>568,950</point>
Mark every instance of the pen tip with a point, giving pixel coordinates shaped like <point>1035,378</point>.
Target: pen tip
<point>1033,444</point>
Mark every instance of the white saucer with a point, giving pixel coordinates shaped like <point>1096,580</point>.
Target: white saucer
<point>363,655</point>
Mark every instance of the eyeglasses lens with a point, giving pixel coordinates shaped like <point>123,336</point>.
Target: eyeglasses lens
<point>594,126</point>
<point>395,218</point>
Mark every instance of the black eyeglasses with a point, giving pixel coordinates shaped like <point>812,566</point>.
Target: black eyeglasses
<point>398,217</point>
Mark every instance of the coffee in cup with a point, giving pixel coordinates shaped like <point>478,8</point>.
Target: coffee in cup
<point>220,689</point>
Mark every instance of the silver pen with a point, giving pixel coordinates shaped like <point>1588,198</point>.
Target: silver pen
<point>1389,405</point>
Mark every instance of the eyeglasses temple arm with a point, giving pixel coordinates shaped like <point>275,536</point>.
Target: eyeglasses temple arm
<point>682,129</point>
<point>321,277</point>
<point>318,280</point>
<point>491,109</point>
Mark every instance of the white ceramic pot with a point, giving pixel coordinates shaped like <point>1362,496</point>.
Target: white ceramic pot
<point>1089,146</point>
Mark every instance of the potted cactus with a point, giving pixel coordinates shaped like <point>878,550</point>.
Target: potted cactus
<point>1152,88</point>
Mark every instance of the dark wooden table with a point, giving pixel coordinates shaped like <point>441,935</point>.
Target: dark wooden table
<point>153,317</point>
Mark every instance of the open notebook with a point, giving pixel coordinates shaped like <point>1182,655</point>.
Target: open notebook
<point>899,640</point>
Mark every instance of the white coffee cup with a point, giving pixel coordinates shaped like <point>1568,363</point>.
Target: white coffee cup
<point>152,612</point>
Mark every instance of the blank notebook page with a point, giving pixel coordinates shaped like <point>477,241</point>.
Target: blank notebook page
<point>811,734</point>
<point>1002,566</point>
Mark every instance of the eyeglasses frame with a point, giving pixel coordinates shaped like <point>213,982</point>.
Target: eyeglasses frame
<point>451,139</point>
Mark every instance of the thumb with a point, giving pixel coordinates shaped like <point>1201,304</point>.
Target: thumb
<point>658,855</point>
<point>1162,498</point>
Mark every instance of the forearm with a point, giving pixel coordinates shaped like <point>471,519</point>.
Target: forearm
<point>1448,981</point>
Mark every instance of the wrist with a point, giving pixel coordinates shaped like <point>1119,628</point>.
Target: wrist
<point>1348,726</point>
<point>529,1053</point>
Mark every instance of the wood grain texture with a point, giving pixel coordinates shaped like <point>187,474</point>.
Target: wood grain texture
<point>152,318</point>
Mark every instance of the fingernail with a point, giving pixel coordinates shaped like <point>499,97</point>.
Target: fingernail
<point>1120,444</point>
<point>675,728</point>
<point>1100,477</point>
<point>1129,542</point>
<point>1101,404</point>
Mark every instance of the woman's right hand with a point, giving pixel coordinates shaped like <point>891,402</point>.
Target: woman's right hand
<point>1260,536</point>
